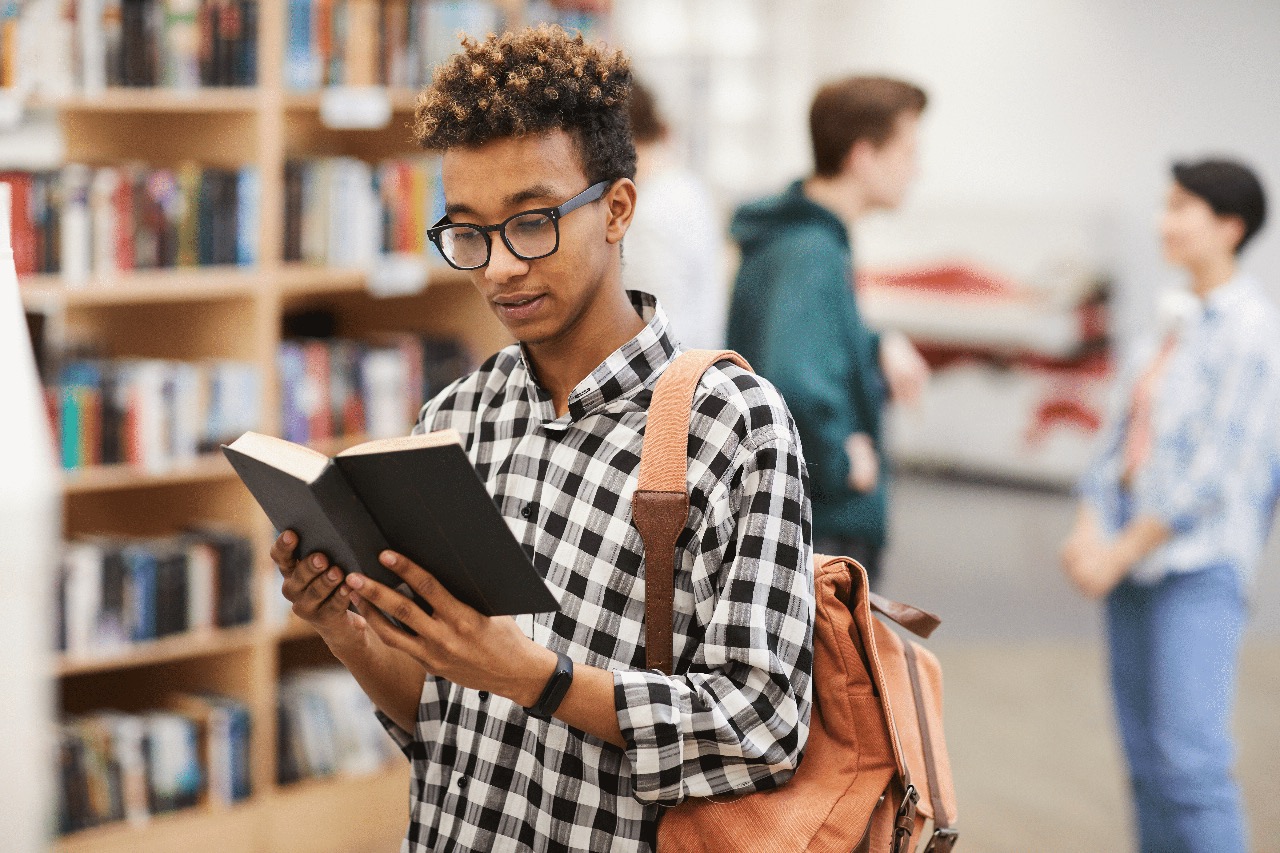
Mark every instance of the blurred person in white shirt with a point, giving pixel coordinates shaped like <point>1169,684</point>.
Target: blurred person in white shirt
<point>675,249</point>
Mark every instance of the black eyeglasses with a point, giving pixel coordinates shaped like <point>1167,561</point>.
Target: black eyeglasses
<point>530,234</point>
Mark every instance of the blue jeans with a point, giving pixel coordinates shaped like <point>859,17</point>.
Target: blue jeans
<point>1174,656</point>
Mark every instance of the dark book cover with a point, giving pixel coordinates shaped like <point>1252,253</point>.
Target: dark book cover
<point>247,73</point>
<point>419,496</point>
<point>293,211</point>
<point>171,591</point>
<point>114,618</point>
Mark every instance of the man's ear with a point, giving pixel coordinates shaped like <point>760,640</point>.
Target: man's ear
<point>620,202</point>
<point>855,160</point>
<point>1233,230</point>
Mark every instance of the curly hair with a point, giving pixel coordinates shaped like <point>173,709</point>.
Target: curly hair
<point>537,80</point>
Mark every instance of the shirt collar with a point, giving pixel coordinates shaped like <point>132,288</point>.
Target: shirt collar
<point>627,369</point>
<point>1224,297</point>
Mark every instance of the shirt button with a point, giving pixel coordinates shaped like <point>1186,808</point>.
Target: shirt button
<point>524,511</point>
<point>484,695</point>
<point>462,783</point>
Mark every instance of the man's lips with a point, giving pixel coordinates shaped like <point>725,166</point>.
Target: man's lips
<point>519,306</point>
<point>516,299</point>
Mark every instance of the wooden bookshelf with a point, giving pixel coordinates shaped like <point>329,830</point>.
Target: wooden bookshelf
<point>165,650</point>
<point>109,478</point>
<point>131,100</point>
<point>51,293</point>
<point>231,312</point>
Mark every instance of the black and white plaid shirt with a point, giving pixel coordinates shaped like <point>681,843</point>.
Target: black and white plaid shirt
<point>735,717</point>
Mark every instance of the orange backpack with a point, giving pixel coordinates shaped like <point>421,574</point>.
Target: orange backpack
<point>875,766</point>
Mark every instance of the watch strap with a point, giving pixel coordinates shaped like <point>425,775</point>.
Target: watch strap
<point>557,686</point>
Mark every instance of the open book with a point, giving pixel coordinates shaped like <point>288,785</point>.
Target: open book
<point>418,495</point>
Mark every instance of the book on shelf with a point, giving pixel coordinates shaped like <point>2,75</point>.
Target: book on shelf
<point>149,413</point>
<point>340,211</point>
<point>333,42</point>
<point>114,592</point>
<point>418,495</point>
<point>333,388</point>
<point>326,725</point>
<point>80,221</point>
<point>177,44</point>
<point>115,766</point>
<point>589,17</point>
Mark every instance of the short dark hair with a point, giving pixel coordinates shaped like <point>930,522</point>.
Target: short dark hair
<point>845,111</point>
<point>534,81</point>
<point>1230,188</point>
<point>646,122</point>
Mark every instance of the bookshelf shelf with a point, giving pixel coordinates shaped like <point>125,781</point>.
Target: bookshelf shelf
<point>402,100</point>
<point>50,292</point>
<point>300,279</point>
<point>116,100</point>
<point>375,805</point>
<point>164,650</point>
<point>102,478</point>
<point>204,829</point>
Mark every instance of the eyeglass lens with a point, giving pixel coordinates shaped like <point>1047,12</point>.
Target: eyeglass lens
<point>529,235</point>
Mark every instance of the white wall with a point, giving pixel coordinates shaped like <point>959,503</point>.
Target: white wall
<point>1077,106</point>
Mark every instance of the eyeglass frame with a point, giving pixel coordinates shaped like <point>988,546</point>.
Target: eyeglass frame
<point>591,194</point>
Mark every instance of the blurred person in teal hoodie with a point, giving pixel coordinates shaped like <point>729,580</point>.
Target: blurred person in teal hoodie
<point>794,314</point>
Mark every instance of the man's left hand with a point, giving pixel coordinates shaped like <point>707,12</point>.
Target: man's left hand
<point>904,369</point>
<point>454,642</point>
<point>1093,566</point>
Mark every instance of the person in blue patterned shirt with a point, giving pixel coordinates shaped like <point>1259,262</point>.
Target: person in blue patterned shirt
<point>1175,510</point>
<point>538,164</point>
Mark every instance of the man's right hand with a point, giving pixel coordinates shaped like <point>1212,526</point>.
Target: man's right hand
<point>317,592</point>
<point>864,465</point>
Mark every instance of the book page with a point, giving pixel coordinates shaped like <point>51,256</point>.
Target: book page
<point>295,460</point>
<point>440,438</point>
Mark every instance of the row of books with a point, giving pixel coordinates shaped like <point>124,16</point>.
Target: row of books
<point>334,388</point>
<point>150,413</point>
<point>182,44</point>
<point>341,211</point>
<point>115,766</point>
<point>80,221</point>
<point>326,726</point>
<point>330,41</point>
<point>113,591</point>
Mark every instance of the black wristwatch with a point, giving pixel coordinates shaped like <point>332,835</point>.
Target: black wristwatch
<point>553,694</point>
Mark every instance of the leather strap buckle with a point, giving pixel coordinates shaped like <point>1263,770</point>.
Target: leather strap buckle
<point>904,824</point>
<point>943,841</point>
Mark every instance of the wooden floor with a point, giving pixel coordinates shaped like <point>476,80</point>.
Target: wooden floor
<point>1029,724</point>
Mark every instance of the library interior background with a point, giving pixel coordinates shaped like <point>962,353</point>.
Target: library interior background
<point>218,225</point>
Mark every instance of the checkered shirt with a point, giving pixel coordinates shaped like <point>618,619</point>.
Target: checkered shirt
<point>486,776</point>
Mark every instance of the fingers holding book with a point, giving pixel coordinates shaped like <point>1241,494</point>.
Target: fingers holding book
<point>455,641</point>
<point>313,586</point>
<point>284,552</point>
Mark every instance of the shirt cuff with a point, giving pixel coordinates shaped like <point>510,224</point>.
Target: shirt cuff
<point>403,739</point>
<point>651,713</point>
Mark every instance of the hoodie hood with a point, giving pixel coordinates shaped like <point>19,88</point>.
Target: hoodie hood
<point>768,218</point>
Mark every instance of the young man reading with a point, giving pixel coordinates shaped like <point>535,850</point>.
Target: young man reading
<point>795,318</point>
<point>538,167</point>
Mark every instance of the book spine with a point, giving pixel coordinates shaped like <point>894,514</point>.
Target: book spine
<point>181,56</point>
<point>249,198</point>
<point>247,73</point>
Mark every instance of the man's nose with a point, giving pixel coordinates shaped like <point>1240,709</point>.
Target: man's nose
<point>503,265</point>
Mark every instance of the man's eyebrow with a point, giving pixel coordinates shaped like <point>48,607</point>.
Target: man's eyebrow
<point>537,191</point>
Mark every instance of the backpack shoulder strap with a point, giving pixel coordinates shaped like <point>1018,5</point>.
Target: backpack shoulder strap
<point>661,502</point>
